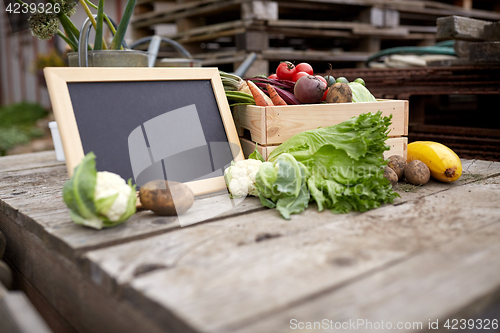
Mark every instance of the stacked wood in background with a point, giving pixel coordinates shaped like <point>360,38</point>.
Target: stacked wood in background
<point>476,41</point>
<point>265,128</point>
<point>337,32</point>
<point>456,105</point>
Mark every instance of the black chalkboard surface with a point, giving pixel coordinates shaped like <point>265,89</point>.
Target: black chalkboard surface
<point>146,123</point>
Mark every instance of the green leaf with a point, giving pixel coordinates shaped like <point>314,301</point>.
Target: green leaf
<point>122,26</point>
<point>344,162</point>
<point>360,93</point>
<point>130,210</point>
<point>104,204</point>
<point>93,222</point>
<point>293,204</point>
<point>266,202</point>
<point>256,155</point>
<point>78,192</point>
<point>282,185</point>
<point>98,44</point>
<point>132,199</point>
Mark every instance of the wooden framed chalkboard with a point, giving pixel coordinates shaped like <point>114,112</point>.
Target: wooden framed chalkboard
<point>146,123</point>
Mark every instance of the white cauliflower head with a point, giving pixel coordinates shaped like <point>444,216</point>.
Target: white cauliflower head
<point>240,178</point>
<point>110,184</point>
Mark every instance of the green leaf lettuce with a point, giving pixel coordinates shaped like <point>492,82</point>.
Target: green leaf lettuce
<point>282,185</point>
<point>345,163</point>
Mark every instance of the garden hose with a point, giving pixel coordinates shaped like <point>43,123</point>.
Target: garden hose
<point>443,48</point>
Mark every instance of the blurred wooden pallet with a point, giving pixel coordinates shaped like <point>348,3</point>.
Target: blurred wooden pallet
<point>452,105</point>
<point>476,41</point>
<point>402,83</point>
<point>333,31</point>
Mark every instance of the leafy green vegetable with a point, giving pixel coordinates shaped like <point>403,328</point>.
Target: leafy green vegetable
<point>345,163</point>
<point>256,155</point>
<point>282,185</point>
<point>360,93</point>
<point>79,194</point>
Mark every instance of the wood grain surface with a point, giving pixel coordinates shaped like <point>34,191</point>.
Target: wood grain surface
<point>433,254</point>
<point>273,125</point>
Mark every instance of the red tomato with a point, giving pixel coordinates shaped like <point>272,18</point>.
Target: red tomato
<point>322,79</point>
<point>286,70</point>
<point>324,95</point>
<point>325,86</point>
<point>298,75</point>
<point>273,76</point>
<point>305,67</point>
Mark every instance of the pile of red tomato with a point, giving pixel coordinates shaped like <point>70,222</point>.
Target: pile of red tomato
<point>288,71</point>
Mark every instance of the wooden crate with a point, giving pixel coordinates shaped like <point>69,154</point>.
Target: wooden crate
<point>268,127</point>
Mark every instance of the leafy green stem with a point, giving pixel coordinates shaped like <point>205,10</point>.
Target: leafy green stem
<point>91,18</point>
<point>73,46</point>
<point>122,27</point>
<point>99,34</point>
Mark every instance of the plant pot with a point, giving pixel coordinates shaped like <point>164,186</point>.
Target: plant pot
<point>110,58</point>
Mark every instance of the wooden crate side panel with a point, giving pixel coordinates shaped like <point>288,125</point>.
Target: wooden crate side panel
<point>406,116</point>
<point>248,147</point>
<point>398,147</point>
<point>285,122</point>
<point>251,118</point>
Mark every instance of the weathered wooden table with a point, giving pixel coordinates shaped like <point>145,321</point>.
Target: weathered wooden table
<point>431,256</point>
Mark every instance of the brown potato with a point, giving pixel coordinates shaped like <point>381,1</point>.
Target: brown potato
<point>417,173</point>
<point>398,164</point>
<point>339,93</point>
<point>391,176</point>
<point>166,197</point>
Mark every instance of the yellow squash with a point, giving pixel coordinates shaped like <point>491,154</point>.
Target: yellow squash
<point>443,163</point>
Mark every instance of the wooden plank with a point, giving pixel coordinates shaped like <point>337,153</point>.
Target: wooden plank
<point>457,27</point>
<point>3,244</point>
<point>314,55</point>
<point>259,10</point>
<point>6,278</point>
<point>252,41</point>
<point>281,123</point>
<point>235,281</point>
<point>461,48</point>
<point>492,32</point>
<point>252,119</point>
<point>211,7</point>
<point>207,30</point>
<point>284,122</point>
<point>485,52</point>
<point>24,196</point>
<point>397,147</point>
<point>17,315</point>
<point>29,161</point>
<point>78,300</point>
<point>456,280</point>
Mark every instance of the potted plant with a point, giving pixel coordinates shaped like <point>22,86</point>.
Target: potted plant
<point>44,25</point>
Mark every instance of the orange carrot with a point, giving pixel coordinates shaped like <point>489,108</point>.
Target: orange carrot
<point>277,100</point>
<point>258,95</point>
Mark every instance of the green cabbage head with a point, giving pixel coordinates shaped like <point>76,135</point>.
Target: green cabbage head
<point>282,184</point>
<point>98,199</point>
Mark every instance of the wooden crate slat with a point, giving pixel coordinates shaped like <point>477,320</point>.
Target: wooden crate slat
<point>274,125</point>
<point>458,27</point>
<point>398,147</point>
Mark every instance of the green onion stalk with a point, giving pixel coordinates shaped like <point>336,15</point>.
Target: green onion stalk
<point>123,25</point>
<point>108,21</point>
<point>99,31</point>
<point>45,25</point>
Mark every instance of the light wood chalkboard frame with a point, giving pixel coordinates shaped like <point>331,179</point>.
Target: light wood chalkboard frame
<point>57,83</point>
